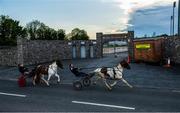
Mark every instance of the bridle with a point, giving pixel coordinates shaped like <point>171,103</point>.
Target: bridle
<point>114,71</point>
<point>52,68</point>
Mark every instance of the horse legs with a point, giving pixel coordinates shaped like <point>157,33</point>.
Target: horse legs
<point>34,80</point>
<point>49,77</point>
<point>44,80</point>
<point>57,77</point>
<point>113,84</point>
<point>126,83</point>
<point>96,79</point>
<point>101,75</point>
<point>107,85</point>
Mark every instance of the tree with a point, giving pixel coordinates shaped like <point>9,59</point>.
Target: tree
<point>39,31</point>
<point>61,34</point>
<point>10,30</point>
<point>77,34</point>
<point>35,30</point>
<point>163,35</point>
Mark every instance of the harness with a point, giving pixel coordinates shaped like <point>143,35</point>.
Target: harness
<point>52,68</point>
<point>114,72</point>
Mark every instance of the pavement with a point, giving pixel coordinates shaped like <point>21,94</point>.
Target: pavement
<point>62,98</point>
<point>140,75</point>
<point>156,89</point>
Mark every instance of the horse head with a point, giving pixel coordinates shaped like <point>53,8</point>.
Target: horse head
<point>125,64</point>
<point>59,64</point>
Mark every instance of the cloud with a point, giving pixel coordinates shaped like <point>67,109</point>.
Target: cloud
<point>130,7</point>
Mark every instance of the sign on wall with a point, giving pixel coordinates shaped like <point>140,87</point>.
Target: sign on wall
<point>143,46</point>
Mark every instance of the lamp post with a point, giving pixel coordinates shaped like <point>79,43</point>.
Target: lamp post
<point>179,18</point>
<point>171,19</point>
<point>174,5</point>
<point>115,48</point>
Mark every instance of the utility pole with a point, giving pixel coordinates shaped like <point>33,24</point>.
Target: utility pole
<point>171,19</point>
<point>174,5</point>
<point>179,18</point>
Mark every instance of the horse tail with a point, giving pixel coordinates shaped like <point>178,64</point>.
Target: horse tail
<point>38,74</point>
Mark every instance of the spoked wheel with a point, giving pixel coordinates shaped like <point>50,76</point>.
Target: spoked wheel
<point>86,82</point>
<point>77,85</point>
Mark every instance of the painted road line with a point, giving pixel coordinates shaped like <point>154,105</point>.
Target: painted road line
<point>175,91</point>
<point>8,79</point>
<point>104,105</point>
<point>10,94</point>
<point>66,83</point>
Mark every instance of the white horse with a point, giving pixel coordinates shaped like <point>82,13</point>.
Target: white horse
<point>115,74</point>
<point>51,70</point>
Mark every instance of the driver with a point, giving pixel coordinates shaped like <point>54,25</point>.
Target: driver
<point>76,71</point>
<point>22,69</point>
<point>25,71</point>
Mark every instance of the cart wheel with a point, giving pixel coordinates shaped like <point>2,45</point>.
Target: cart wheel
<point>86,82</point>
<point>77,85</point>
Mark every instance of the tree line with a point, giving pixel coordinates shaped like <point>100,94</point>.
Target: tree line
<point>10,30</point>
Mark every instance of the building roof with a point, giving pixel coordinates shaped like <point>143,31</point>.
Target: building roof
<point>147,39</point>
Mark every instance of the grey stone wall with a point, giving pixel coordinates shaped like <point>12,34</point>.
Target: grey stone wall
<point>99,38</point>
<point>40,51</point>
<point>172,49</point>
<point>8,56</point>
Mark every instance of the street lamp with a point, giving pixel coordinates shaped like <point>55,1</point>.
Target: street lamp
<point>179,19</point>
<point>171,19</point>
<point>174,5</point>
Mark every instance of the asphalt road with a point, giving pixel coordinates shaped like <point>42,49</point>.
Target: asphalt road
<point>63,98</point>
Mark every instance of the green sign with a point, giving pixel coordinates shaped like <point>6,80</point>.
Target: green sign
<point>143,46</point>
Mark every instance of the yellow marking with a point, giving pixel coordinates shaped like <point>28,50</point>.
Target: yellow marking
<point>143,46</point>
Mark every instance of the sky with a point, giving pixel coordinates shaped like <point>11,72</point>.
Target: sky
<point>107,16</point>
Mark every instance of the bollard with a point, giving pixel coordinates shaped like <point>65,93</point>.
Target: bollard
<point>168,65</point>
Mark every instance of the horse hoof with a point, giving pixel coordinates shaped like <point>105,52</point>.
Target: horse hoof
<point>109,89</point>
<point>33,84</point>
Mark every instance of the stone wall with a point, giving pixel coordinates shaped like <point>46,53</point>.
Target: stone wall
<point>8,56</point>
<point>172,49</point>
<point>40,51</point>
<point>115,37</point>
<point>104,38</point>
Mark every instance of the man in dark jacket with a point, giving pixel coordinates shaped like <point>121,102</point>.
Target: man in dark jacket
<point>76,71</point>
<point>22,69</point>
<point>25,71</point>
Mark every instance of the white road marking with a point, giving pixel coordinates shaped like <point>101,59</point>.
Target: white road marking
<point>104,105</point>
<point>66,83</point>
<point>10,94</point>
<point>175,91</point>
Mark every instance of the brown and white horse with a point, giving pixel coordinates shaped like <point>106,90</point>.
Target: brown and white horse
<point>115,74</point>
<point>50,70</point>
